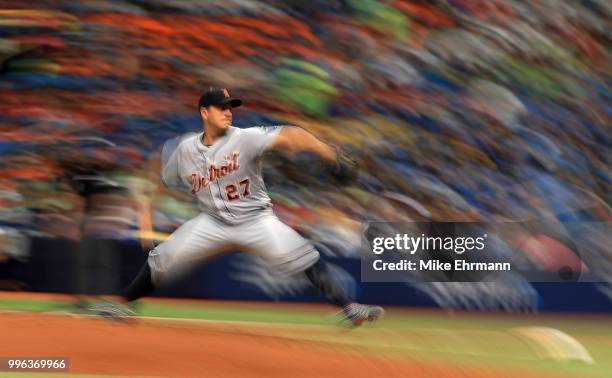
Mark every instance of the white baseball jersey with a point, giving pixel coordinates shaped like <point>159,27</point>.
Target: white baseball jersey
<point>225,177</point>
<point>236,213</point>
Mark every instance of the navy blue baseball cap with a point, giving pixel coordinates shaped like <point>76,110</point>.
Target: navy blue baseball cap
<point>218,96</point>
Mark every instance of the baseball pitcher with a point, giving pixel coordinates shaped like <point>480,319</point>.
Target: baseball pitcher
<point>222,168</point>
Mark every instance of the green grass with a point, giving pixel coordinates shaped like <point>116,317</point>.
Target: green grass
<point>251,313</point>
<point>31,305</point>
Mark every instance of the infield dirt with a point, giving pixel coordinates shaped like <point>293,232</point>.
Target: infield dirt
<point>167,349</point>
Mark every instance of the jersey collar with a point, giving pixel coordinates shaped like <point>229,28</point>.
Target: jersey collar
<point>202,147</point>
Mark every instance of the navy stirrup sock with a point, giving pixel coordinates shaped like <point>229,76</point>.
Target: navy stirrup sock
<point>140,286</point>
<point>321,277</point>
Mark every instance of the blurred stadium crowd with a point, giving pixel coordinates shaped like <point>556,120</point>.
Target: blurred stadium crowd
<point>456,109</point>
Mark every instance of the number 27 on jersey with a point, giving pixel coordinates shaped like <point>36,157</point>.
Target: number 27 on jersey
<point>241,190</point>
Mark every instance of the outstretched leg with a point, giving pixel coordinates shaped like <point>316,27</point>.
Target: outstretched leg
<point>288,253</point>
<point>196,240</point>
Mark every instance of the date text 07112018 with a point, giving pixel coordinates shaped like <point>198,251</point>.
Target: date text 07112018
<point>34,363</point>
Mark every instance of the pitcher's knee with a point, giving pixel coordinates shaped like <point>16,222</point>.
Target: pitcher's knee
<point>293,263</point>
<point>160,265</point>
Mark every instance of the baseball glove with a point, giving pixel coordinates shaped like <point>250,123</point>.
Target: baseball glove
<point>346,169</point>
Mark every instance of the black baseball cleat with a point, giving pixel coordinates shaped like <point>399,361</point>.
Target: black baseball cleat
<point>355,314</point>
<point>113,311</point>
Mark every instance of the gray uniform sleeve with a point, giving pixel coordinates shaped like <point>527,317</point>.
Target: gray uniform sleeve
<point>169,161</point>
<point>260,138</point>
